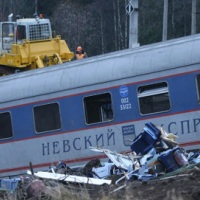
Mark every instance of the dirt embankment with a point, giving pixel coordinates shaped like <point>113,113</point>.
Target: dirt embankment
<point>183,186</point>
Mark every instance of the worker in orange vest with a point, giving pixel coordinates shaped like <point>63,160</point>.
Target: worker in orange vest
<point>80,53</point>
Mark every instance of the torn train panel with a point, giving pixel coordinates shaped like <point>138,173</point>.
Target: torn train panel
<point>70,178</point>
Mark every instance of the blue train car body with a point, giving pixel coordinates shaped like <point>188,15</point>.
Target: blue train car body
<point>56,113</point>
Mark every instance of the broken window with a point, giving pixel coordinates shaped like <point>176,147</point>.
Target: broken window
<point>47,117</point>
<point>98,108</point>
<point>5,126</point>
<point>153,98</point>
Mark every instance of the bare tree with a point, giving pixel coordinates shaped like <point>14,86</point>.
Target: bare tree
<point>126,27</point>
<point>3,10</point>
<point>115,23</point>
<point>194,10</point>
<point>120,31</point>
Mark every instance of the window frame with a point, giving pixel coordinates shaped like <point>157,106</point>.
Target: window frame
<point>102,119</point>
<point>21,32</point>
<point>49,130</point>
<point>153,90</point>
<point>198,87</point>
<point>7,40</point>
<point>11,125</point>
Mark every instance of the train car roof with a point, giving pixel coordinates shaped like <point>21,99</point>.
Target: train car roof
<point>103,68</point>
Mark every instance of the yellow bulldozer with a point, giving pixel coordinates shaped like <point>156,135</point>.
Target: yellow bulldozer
<point>28,44</point>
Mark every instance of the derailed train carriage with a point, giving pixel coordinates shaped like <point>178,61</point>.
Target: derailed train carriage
<point>55,114</point>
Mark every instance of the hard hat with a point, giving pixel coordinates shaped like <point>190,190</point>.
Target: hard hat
<point>79,48</point>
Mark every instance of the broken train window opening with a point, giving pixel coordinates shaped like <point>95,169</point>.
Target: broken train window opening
<point>153,98</point>
<point>98,108</point>
<point>47,117</point>
<point>5,125</point>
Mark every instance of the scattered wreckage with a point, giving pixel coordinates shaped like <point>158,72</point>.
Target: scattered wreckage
<point>154,154</point>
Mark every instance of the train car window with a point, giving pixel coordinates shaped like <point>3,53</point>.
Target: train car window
<point>198,87</point>
<point>47,117</point>
<point>98,108</point>
<point>153,98</point>
<point>5,126</point>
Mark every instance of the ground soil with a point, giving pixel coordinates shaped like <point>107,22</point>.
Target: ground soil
<point>183,184</point>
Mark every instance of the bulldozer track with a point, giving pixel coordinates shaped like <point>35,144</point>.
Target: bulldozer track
<point>7,70</point>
